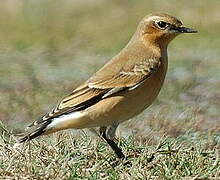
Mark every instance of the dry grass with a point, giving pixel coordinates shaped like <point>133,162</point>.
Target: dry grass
<point>67,156</point>
<point>48,47</point>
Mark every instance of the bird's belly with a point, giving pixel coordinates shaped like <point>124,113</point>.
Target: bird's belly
<point>126,105</point>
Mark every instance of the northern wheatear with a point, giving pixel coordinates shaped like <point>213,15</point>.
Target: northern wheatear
<point>123,88</point>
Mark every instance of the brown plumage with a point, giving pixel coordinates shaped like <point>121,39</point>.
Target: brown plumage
<point>124,87</point>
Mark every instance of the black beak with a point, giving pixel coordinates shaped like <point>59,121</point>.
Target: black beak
<point>186,30</point>
<point>182,29</point>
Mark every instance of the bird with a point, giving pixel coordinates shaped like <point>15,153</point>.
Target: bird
<point>124,87</point>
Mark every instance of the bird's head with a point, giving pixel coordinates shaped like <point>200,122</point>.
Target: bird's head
<point>161,28</point>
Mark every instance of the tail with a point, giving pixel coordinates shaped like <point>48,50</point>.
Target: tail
<point>32,131</point>
<point>43,127</point>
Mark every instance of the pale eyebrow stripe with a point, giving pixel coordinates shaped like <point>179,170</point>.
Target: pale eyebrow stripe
<point>153,18</point>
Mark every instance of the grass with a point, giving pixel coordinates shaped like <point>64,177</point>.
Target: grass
<point>67,157</point>
<point>49,47</point>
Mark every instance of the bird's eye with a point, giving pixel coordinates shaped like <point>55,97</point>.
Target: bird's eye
<point>162,24</point>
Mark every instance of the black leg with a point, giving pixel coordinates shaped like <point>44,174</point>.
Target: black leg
<point>113,145</point>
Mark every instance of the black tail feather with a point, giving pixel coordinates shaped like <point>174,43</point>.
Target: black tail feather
<point>32,132</point>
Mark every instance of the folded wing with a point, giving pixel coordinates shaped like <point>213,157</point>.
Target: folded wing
<point>94,90</point>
